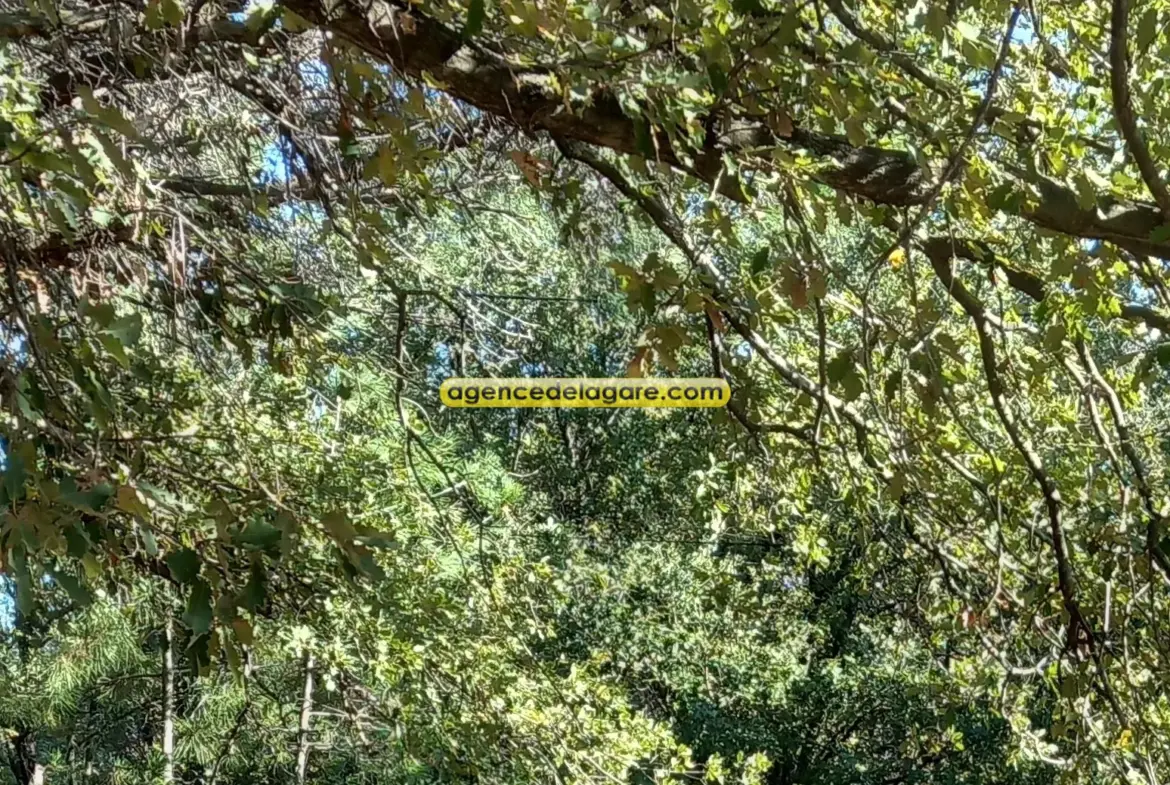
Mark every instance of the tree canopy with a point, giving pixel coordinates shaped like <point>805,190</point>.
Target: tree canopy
<point>926,245</point>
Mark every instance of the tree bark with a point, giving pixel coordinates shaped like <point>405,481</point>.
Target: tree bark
<point>306,718</point>
<point>23,760</point>
<point>168,739</point>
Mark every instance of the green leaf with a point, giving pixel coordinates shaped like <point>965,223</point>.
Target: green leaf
<point>858,52</point>
<point>93,567</point>
<point>935,20</point>
<point>77,542</point>
<point>44,161</point>
<point>623,270</point>
<point>102,403</point>
<point>81,165</point>
<point>256,590</point>
<point>760,260</point>
<point>1161,234</point>
<point>14,475</point>
<point>839,366</point>
<point>18,568</point>
<point>260,533</point>
<point>89,102</point>
<point>852,385</point>
<point>717,77</point>
<point>115,348</point>
<point>1147,29</point>
<point>184,565</point>
<point>172,12</point>
<point>293,22</point>
<point>110,116</point>
<point>25,600</point>
<point>967,30</point>
<point>243,630</point>
<point>644,139</point>
<point>153,18</point>
<point>114,155</point>
<point>1055,335</point>
<point>790,24</point>
<point>100,313</point>
<point>818,285</point>
<point>1004,197</point>
<point>73,587</point>
<point>977,55</point>
<point>1086,192</point>
<point>892,384</point>
<point>92,500</point>
<point>896,487</point>
<point>127,500</point>
<point>149,542</point>
<point>259,14</point>
<point>364,560</point>
<point>126,329</point>
<point>475,15</point>
<point>855,131</point>
<point>199,655</point>
<point>60,220</point>
<point>198,614</point>
<point>386,165</point>
<point>1161,355</point>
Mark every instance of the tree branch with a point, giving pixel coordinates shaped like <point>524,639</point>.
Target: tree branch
<point>669,225</point>
<point>1029,284</point>
<point>529,99</point>
<point>1066,580</point>
<point>1123,108</point>
<point>881,44</point>
<point>1154,517</point>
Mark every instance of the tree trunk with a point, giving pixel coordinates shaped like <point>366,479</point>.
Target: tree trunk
<point>22,757</point>
<point>306,717</point>
<point>71,758</point>
<point>168,702</point>
<point>23,760</point>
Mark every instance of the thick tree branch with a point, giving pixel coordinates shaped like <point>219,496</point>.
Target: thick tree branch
<point>1123,107</point>
<point>528,98</point>
<point>1029,284</point>
<point>191,186</point>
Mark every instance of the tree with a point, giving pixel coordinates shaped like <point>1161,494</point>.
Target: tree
<point>925,245</point>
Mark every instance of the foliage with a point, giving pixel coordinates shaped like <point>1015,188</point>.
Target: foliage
<point>924,243</point>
